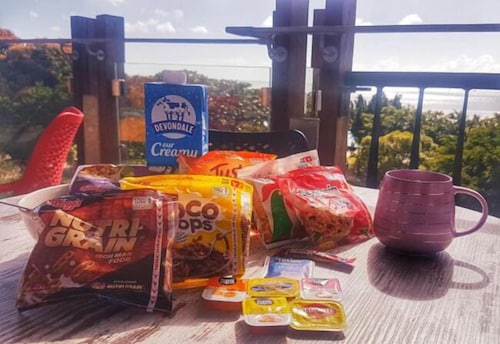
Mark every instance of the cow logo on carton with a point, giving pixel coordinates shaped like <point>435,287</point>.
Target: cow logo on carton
<point>173,117</point>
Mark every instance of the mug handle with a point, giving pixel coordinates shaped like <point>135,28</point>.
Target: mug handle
<point>484,206</point>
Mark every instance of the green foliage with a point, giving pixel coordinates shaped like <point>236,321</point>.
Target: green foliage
<point>33,90</point>
<point>481,164</point>
<point>394,152</point>
<point>133,152</point>
<point>481,159</point>
<point>233,105</point>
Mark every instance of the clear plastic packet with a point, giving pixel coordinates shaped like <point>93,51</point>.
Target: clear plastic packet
<point>99,178</point>
<point>328,259</point>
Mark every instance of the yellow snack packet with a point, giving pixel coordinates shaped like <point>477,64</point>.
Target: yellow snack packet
<point>214,221</point>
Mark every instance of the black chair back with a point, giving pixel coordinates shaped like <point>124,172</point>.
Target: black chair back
<point>281,143</point>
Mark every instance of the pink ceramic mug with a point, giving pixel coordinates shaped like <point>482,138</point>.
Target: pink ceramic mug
<point>415,211</point>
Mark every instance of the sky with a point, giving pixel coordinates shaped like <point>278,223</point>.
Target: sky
<point>452,52</point>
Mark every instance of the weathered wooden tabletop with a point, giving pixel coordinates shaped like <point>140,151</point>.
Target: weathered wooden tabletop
<point>452,298</point>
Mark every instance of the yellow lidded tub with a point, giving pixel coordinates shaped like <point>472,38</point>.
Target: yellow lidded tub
<point>224,293</point>
<point>316,315</point>
<point>266,314</point>
<point>273,287</point>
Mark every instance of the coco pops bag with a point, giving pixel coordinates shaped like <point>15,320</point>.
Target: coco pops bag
<point>214,222</point>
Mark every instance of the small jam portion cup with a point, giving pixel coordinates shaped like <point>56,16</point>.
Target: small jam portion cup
<point>320,289</point>
<point>224,293</point>
<point>315,315</point>
<point>267,315</point>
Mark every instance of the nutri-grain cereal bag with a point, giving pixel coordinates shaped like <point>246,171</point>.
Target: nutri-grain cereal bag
<point>214,220</point>
<point>116,245</point>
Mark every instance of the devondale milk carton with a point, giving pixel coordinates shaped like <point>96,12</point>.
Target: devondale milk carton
<point>176,122</point>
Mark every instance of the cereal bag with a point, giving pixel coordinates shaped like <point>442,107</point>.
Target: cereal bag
<point>214,220</point>
<point>329,210</point>
<point>115,245</point>
<point>221,163</point>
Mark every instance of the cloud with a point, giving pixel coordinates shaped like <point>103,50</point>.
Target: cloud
<point>116,2</point>
<point>268,22</point>
<point>390,63</point>
<point>55,28</point>
<point>176,14</point>
<point>141,26</point>
<point>411,19</point>
<point>362,22</point>
<point>161,13</point>
<point>33,14</point>
<point>166,27</point>
<point>149,26</point>
<point>199,29</point>
<point>464,63</point>
<point>461,64</point>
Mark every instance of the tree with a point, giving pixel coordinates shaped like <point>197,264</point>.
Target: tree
<point>394,152</point>
<point>233,105</point>
<point>356,118</point>
<point>481,160</point>
<point>34,88</point>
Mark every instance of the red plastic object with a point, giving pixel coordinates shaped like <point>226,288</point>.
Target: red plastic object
<point>46,163</point>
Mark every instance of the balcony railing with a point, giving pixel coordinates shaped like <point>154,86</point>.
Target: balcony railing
<point>420,80</point>
<point>100,59</point>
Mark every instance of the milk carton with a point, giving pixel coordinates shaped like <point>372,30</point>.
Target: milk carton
<point>176,122</point>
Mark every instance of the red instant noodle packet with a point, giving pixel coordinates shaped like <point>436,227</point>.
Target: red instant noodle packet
<point>329,210</point>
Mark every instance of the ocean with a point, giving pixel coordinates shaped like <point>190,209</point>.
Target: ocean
<point>484,103</point>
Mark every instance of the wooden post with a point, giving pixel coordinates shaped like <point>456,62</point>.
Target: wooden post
<point>83,28</point>
<point>113,29</point>
<point>288,76</point>
<point>332,141</point>
<point>95,66</point>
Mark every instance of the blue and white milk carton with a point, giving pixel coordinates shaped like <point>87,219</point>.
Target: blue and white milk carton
<point>176,122</point>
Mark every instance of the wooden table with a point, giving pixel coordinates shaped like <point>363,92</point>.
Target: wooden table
<point>453,298</point>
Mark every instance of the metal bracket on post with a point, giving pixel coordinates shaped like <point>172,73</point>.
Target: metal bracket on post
<point>99,53</point>
<point>329,53</point>
<point>276,53</point>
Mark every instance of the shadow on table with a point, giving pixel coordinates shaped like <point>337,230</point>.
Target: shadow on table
<point>417,277</point>
<point>78,318</point>
<point>245,335</point>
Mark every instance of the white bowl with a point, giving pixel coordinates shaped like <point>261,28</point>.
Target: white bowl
<point>34,199</point>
